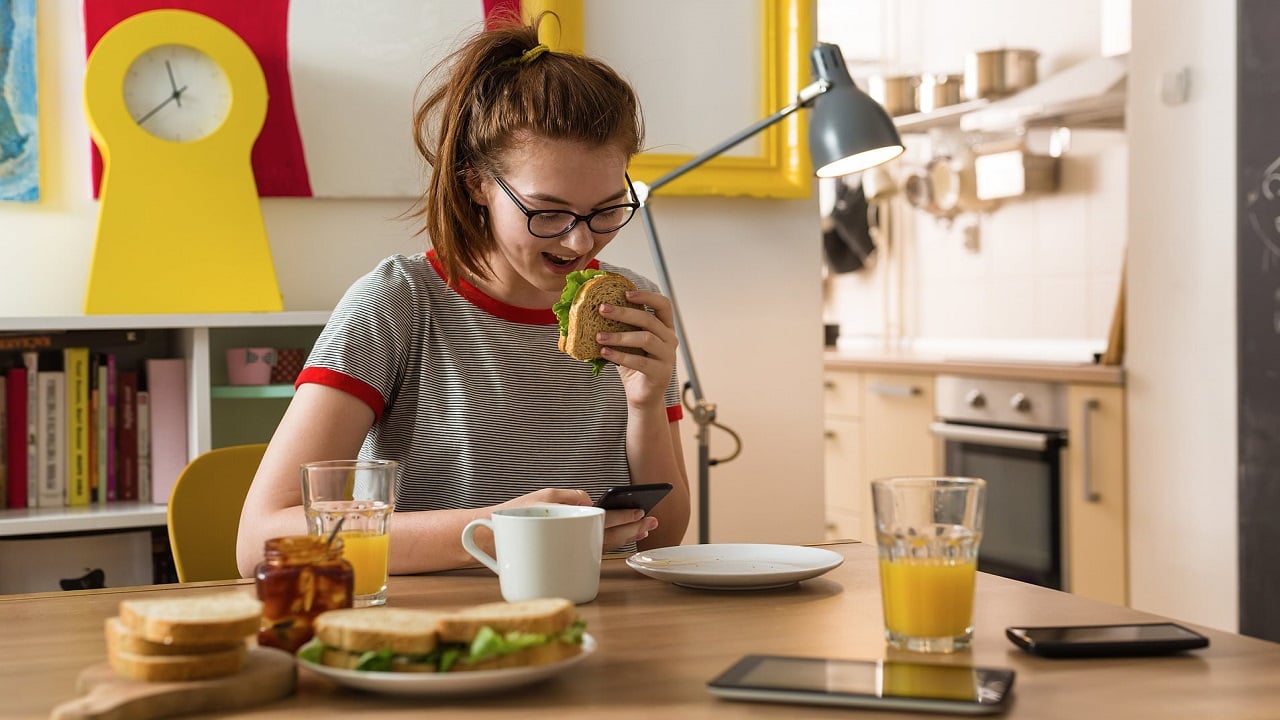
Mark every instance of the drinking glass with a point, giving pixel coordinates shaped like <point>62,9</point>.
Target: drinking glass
<point>928,530</point>
<point>360,493</point>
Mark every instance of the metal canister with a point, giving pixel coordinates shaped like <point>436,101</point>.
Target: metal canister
<point>938,90</point>
<point>997,73</point>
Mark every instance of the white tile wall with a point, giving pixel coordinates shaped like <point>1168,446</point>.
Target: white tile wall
<point>1046,268</point>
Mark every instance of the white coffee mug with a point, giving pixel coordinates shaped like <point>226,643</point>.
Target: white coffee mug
<point>543,551</point>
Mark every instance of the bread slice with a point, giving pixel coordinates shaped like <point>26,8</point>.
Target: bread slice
<point>403,631</point>
<point>545,616</point>
<point>585,320</point>
<point>119,636</point>
<point>176,668</point>
<point>224,618</point>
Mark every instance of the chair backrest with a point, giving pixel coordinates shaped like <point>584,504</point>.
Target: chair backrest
<point>204,512</point>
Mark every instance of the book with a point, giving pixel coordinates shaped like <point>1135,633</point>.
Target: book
<point>167,386</point>
<point>127,436</point>
<point>52,437</point>
<point>15,437</point>
<point>143,448</point>
<point>23,341</point>
<point>109,466</point>
<point>76,366</point>
<point>92,464</point>
<point>31,360</point>
<point>4,443</point>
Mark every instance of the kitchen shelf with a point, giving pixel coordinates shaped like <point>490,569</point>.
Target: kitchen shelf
<point>250,392</point>
<point>85,518</point>
<point>944,117</point>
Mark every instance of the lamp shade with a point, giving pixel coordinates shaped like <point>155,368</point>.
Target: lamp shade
<point>848,131</point>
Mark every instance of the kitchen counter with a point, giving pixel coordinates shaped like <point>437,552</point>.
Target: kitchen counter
<point>931,364</point>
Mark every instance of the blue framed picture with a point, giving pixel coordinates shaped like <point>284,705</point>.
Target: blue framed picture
<point>19,133</point>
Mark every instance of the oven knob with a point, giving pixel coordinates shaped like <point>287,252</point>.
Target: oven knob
<point>1020,402</point>
<point>976,399</point>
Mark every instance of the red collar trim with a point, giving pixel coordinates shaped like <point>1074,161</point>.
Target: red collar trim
<point>497,308</point>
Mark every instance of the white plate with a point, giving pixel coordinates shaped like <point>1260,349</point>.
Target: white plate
<point>449,683</point>
<point>734,566</point>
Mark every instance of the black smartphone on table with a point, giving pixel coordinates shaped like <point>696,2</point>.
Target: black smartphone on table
<point>1106,640</point>
<point>634,497</point>
<point>870,684</point>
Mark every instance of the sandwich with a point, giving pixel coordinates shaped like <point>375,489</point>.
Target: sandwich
<point>190,638</point>
<point>579,313</point>
<point>485,637</point>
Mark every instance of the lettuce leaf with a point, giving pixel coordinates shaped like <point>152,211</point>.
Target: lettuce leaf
<point>572,284</point>
<point>311,651</point>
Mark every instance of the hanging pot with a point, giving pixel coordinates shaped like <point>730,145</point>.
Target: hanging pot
<point>997,73</point>
<point>846,236</point>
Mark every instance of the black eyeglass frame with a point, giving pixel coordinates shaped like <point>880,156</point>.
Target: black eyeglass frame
<point>531,214</point>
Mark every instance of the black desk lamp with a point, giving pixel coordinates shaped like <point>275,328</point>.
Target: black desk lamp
<point>848,132</point>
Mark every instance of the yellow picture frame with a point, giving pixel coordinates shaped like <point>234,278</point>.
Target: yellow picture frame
<point>782,169</point>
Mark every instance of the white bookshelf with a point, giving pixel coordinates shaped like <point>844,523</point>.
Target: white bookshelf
<point>197,338</point>
<point>90,518</point>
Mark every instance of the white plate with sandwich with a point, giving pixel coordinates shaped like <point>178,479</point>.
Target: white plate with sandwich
<point>734,566</point>
<point>486,648</point>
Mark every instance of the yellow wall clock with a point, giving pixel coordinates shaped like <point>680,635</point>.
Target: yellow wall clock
<point>175,101</point>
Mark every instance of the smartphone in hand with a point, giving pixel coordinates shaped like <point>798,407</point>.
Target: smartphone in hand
<point>628,497</point>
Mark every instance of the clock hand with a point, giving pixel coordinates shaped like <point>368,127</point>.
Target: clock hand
<point>174,96</point>
<point>173,84</point>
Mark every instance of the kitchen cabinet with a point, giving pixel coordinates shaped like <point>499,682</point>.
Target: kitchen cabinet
<point>1095,502</point>
<point>877,425</point>
<point>842,443</point>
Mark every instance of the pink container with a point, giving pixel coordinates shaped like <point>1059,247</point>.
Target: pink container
<point>250,366</point>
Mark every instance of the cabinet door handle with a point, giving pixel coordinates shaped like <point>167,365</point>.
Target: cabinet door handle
<point>1086,451</point>
<point>893,390</point>
<point>829,384</point>
<point>829,434</point>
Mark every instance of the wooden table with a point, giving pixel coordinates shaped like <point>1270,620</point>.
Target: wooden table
<point>659,645</point>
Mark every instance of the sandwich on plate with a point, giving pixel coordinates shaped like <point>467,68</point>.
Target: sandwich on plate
<point>579,313</point>
<point>189,638</point>
<point>484,637</point>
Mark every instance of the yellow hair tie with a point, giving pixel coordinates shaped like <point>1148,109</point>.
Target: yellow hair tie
<point>527,56</point>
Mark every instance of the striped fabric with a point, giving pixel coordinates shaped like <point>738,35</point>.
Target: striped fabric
<point>472,396</point>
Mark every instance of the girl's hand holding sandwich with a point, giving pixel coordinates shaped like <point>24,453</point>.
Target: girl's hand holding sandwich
<point>645,377</point>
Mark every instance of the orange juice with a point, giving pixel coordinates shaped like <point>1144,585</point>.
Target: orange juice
<point>368,552</point>
<point>924,597</point>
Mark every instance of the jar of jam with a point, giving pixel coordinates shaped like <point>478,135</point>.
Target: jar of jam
<point>300,578</point>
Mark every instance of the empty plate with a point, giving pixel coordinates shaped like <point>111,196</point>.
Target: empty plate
<point>734,566</point>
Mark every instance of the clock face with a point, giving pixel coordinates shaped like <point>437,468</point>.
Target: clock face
<point>177,93</point>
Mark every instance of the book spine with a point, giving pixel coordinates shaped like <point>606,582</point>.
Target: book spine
<point>127,437</point>
<point>32,362</point>
<point>99,442</point>
<point>27,341</point>
<point>53,438</point>
<point>4,442</point>
<point>167,383</point>
<point>143,447</point>
<point>91,416</point>
<point>16,435</point>
<point>76,364</point>
<point>109,439</point>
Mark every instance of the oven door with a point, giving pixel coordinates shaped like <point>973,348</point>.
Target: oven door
<point>1022,527</point>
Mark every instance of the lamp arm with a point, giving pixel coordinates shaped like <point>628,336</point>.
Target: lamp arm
<point>805,98</point>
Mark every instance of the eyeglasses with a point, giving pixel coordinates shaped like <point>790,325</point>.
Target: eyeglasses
<point>554,223</point>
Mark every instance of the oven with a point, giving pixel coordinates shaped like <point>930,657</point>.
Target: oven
<point>1011,433</point>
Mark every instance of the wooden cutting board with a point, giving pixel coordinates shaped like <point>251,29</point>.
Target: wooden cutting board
<point>268,675</point>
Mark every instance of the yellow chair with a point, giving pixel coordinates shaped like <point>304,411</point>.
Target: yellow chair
<point>204,512</point>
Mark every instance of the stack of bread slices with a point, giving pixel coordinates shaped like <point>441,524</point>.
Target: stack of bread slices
<point>189,638</point>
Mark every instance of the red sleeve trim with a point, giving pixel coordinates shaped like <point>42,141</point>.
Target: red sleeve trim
<point>347,384</point>
<point>675,412</point>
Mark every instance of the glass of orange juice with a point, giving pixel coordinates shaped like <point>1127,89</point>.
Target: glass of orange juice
<point>928,530</point>
<point>360,494</point>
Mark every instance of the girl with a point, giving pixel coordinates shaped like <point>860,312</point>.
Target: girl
<point>447,361</point>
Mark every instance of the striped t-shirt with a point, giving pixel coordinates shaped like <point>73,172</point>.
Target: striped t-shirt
<point>470,395</point>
